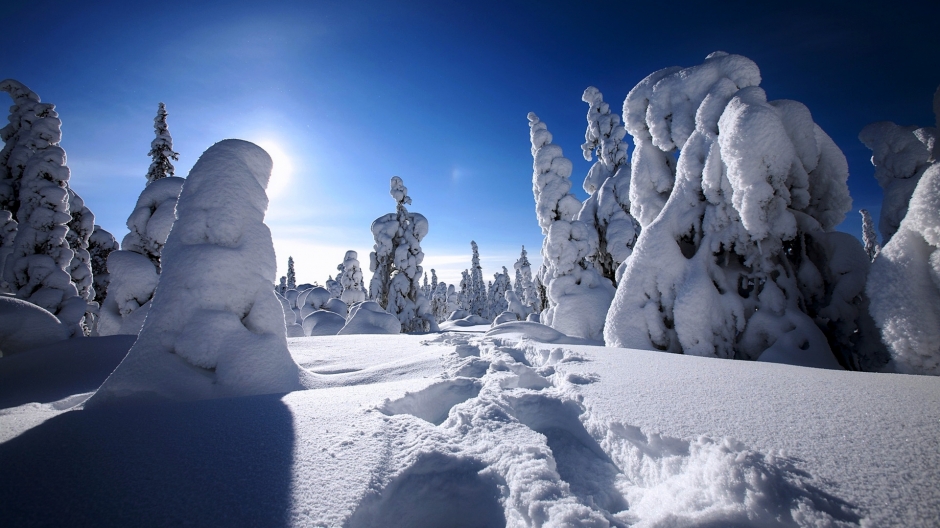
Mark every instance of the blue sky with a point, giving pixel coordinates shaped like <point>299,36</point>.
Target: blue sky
<point>347,94</point>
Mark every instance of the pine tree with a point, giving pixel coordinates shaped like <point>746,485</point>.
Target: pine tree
<point>351,280</point>
<point>291,276</point>
<point>100,245</point>
<point>477,285</point>
<point>161,149</point>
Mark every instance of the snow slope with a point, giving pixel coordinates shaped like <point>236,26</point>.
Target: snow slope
<point>462,429</point>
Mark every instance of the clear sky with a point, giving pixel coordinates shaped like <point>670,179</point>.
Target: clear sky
<point>347,94</point>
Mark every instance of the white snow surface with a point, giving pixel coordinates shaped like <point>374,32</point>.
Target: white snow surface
<point>24,326</point>
<point>460,429</point>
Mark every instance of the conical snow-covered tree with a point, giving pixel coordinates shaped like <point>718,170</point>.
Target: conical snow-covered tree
<point>216,329</point>
<point>135,269</point>
<point>291,276</point>
<point>904,283</point>
<point>607,209</point>
<point>497,294</point>
<point>465,293</point>
<point>477,284</point>
<point>869,236</point>
<point>578,295</point>
<point>737,256</point>
<point>396,264</point>
<point>351,279</point>
<point>81,227</point>
<point>34,189</point>
<point>524,287</point>
<point>161,149</point>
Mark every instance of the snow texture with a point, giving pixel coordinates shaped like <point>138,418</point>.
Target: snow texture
<point>904,284</point>
<point>737,249</point>
<point>323,322</point>
<point>214,328</point>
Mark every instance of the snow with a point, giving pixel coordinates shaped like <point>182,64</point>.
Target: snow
<point>369,318</point>
<point>467,429</point>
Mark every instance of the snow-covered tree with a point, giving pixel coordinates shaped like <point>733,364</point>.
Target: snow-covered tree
<point>282,287</point>
<point>136,268</point>
<point>161,149</point>
<point>439,302</point>
<point>291,276</point>
<point>904,283</point>
<point>396,264</point>
<point>901,155</point>
<point>869,236</point>
<point>453,301</point>
<point>215,329</point>
<point>578,295</point>
<point>465,294</point>
<point>478,302</point>
<point>607,209</point>
<point>496,296</point>
<point>38,262</point>
<point>351,280</point>
<point>81,226</point>
<point>100,245</point>
<point>737,256</point>
<point>523,286</point>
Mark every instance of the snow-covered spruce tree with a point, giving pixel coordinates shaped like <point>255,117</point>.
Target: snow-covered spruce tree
<point>439,302</point>
<point>161,149</point>
<point>477,284</point>
<point>578,295</point>
<point>869,236</point>
<point>100,245</point>
<point>453,301</point>
<point>901,155</point>
<point>607,208</point>
<point>38,261</point>
<point>497,294</point>
<point>291,276</point>
<point>334,286</point>
<point>81,227</point>
<point>904,283</point>
<point>396,264</point>
<point>215,329</point>
<point>740,259</point>
<point>282,287</point>
<point>351,280</point>
<point>135,269</point>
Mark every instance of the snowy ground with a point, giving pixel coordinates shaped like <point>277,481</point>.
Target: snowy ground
<point>459,429</point>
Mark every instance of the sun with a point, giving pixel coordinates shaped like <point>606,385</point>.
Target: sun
<point>281,172</point>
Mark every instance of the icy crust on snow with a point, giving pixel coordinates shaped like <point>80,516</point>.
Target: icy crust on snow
<point>24,326</point>
<point>904,284</point>
<point>214,328</point>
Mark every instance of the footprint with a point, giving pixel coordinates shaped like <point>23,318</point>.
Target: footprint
<point>438,490</point>
<point>433,403</point>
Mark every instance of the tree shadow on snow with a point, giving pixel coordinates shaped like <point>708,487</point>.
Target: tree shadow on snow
<point>208,463</point>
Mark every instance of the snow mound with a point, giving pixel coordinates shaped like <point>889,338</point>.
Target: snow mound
<point>369,318</point>
<point>214,328</point>
<point>24,326</point>
<point>537,332</point>
<point>323,322</point>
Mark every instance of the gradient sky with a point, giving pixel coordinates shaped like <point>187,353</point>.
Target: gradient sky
<point>347,94</point>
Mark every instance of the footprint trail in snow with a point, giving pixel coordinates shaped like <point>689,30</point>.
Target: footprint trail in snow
<point>505,438</point>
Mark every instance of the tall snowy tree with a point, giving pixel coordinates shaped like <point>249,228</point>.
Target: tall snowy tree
<point>465,293</point>
<point>477,285</point>
<point>524,287</point>
<point>215,329</point>
<point>869,236</point>
<point>291,276</point>
<point>497,294</point>
<point>742,259</point>
<point>607,209</point>
<point>396,263</point>
<point>578,295</point>
<point>904,283</point>
<point>34,189</point>
<point>161,149</point>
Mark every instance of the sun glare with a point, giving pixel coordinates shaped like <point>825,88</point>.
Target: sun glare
<point>282,171</point>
